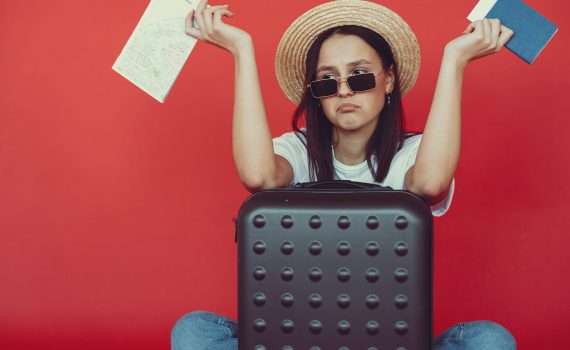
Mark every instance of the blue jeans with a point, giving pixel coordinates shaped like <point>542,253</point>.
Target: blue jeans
<point>202,330</point>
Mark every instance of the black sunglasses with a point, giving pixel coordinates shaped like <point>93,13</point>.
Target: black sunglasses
<point>329,87</point>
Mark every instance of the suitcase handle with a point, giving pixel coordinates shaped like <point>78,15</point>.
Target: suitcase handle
<point>338,184</point>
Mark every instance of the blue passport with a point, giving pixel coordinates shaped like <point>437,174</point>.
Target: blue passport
<point>532,31</point>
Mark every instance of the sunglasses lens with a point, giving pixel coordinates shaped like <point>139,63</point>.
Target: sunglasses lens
<point>361,82</point>
<point>323,88</point>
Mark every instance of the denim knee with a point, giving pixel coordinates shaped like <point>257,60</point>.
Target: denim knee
<point>490,335</point>
<point>477,335</point>
<point>201,330</point>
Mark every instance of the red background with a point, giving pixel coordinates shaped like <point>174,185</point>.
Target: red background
<point>115,210</point>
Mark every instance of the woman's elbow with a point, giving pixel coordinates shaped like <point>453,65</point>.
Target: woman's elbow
<point>258,183</point>
<point>253,183</point>
<point>431,191</point>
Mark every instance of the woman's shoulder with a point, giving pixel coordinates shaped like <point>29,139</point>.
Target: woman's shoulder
<point>403,160</point>
<point>294,137</point>
<point>411,140</point>
<point>408,148</point>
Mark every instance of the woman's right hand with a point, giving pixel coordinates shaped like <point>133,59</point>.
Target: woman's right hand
<point>212,29</point>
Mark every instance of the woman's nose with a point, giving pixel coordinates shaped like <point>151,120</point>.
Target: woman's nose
<point>344,89</point>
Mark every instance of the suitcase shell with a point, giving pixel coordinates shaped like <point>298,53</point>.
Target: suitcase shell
<point>334,268</point>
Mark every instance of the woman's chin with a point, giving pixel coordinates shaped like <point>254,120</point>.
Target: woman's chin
<point>347,119</point>
<point>348,127</point>
<point>350,121</point>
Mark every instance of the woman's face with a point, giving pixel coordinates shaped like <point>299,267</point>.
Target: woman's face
<point>343,55</point>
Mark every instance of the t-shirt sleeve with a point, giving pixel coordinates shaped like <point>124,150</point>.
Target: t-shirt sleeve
<point>404,160</point>
<point>290,147</point>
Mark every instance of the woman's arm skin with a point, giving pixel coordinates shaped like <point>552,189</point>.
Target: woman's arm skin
<point>438,153</point>
<point>257,166</point>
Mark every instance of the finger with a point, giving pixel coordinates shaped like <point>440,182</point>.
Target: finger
<point>201,5</point>
<point>218,17</point>
<point>478,27</point>
<point>190,29</point>
<point>199,16</point>
<point>218,23</point>
<point>495,31</point>
<point>477,33</point>
<point>469,29</point>
<point>486,26</point>
<point>208,20</point>
<point>217,7</point>
<point>189,17</point>
<point>194,32</point>
<point>505,36</point>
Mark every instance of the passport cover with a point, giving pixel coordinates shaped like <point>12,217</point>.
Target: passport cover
<point>532,31</point>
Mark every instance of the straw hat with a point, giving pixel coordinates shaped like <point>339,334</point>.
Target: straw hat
<point>298,38</point>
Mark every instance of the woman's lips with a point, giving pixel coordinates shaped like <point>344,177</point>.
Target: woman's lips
<point>347,107</point>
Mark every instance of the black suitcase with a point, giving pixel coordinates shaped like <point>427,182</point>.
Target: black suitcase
<point>335,265</point>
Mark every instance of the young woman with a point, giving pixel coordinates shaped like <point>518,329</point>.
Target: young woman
<point>346,63</point>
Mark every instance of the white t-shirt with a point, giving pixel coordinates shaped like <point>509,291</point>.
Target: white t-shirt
<point>291,148</point>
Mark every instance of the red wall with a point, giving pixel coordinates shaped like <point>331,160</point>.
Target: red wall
<point>115,210</point>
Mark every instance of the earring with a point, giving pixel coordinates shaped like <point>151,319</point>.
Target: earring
<point>389,98</point>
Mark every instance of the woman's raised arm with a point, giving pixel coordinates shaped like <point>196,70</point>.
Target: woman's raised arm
<point>438,154</point>
<point>256,164</point>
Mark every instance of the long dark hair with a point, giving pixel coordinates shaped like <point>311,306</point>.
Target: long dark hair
<point>386,139</point>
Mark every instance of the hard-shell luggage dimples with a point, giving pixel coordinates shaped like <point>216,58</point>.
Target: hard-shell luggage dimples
<point>334,265</point>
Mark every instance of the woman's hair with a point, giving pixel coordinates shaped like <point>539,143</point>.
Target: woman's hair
<point>386,139</point>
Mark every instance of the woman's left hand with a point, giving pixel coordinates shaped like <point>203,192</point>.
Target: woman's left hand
<point>480,38</point>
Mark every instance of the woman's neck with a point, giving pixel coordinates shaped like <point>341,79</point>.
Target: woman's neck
<point>350,146</point>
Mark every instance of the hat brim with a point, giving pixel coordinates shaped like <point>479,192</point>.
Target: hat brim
<point>301,34</point>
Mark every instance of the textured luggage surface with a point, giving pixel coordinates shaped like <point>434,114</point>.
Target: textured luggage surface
<point>334,269</point>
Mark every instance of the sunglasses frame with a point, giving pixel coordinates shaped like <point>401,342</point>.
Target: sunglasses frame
<point>340,81</point>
